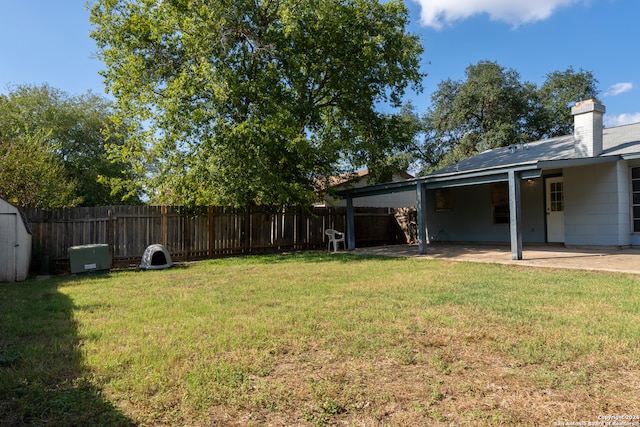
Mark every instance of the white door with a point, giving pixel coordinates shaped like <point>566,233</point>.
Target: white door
<point>7,247</point>
<point>555,209</point>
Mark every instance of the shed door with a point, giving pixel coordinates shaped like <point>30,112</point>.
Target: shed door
<point>8,247</point>
<point>555,209</point>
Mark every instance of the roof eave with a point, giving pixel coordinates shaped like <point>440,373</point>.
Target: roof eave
<point>583,161</point>
<point>472,177</point>
<point>528,170</point>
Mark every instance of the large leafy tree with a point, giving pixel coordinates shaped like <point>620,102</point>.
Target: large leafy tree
<point>251,101</point>
<point>72,129</point>
<point>492,108</point>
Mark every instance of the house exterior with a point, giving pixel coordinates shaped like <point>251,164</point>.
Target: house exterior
<point>576,190</point>
<point>15,244</point>
<point>359,180</point>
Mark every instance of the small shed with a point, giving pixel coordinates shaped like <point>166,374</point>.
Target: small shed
<point>15,244</point>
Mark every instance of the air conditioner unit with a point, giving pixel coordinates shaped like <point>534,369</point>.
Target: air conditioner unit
<point>90,259</point>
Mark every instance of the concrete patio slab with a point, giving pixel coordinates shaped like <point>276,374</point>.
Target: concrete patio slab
<point>626,260</point>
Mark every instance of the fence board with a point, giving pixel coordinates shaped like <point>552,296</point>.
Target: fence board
<point>200,233</point>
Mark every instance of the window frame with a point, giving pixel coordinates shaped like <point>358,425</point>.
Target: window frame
<point>500,212</point>
<point>442,199</point>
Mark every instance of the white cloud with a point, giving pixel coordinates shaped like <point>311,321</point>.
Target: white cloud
<point>619,88</point>
<point>622,119</point>
<point>439,13</point>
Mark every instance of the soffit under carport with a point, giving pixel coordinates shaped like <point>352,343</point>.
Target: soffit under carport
<point>487,176</point>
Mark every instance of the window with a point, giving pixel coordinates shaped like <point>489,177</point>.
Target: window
<point>500,203</point>
<point>556,199</point>
<point>443,199</point>
<point>635,198</point>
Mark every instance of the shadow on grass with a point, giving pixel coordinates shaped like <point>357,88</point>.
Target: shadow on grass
<point>42,376</point>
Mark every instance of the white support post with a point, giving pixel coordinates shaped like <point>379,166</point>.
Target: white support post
<point>515,215</point>
<point>422,218</point>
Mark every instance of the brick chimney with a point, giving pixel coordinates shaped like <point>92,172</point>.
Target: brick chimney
<point>588,127</point>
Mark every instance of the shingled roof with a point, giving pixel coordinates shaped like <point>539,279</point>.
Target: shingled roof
<point>617,141</point>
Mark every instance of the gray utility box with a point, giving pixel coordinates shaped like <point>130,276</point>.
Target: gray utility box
<point>89,258</point>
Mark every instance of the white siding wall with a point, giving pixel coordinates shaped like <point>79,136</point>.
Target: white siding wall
<point>635,237</point>
<point>597,205</point>
<point>403,199</point>
<point>624,203</point>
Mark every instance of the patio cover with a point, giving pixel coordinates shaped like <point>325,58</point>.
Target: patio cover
<point>507,164</point>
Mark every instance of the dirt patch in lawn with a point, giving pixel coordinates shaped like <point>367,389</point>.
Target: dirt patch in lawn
<point>437,382</point>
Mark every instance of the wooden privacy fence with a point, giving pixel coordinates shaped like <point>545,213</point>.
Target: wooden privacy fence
<point>200,233</point>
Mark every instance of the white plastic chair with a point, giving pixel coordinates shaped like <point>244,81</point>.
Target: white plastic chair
<point>335,237</point>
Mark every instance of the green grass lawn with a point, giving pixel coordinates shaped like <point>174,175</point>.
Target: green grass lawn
<point>319,339</point>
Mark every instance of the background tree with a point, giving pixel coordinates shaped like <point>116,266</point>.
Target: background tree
<point>486,110</point>
<point>32,175</point>
<point>493,108</point>
<point>560,90</point>
<point>73,128</point>
<point>251,101</point>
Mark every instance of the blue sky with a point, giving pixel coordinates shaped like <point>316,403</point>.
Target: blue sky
<point>45,41</point>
